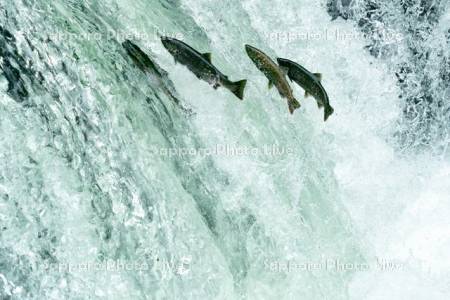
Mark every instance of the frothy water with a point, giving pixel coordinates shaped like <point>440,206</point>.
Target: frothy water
<point>111,189</point>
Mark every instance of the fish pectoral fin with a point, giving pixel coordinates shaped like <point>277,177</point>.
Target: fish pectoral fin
<point>320,104</point>
<point>318,75</point>
<point>293,105</point>
<point>270,84</point>
<point>284,70</point>
<point>207,56</point>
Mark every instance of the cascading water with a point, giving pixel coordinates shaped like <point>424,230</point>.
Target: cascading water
<point>121,184</point>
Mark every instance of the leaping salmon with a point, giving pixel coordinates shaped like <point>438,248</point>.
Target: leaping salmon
<point>310,82</point>
<point>201,66</point>
<point>275,75</point>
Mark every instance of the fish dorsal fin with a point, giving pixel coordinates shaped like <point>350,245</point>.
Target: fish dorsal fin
<point>270,84</point>
<point>318,75</point>
<point>306,94</point>
<point>207,56</point>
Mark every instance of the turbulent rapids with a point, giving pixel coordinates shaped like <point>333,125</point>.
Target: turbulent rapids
<point>123,176</point>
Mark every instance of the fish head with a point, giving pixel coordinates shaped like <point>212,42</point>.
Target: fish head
<point>282,61</point>
<point>251,51</point>
<point>127,44</point>
<point>254,54</point>
<point>170,44</point>
<point>131,48</point>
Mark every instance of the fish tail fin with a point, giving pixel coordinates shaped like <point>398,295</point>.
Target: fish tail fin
<point>238,88</point>
<point>293,105</point>
<point>328,111</point>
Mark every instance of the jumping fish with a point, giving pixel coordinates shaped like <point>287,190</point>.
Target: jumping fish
<point>201,66</point>
<point>310,82</point>
<point>275,75</point>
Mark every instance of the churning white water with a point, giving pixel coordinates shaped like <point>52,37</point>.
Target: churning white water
<point>109,189</point>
